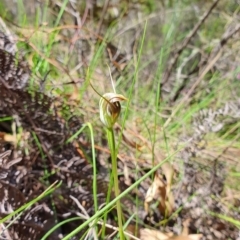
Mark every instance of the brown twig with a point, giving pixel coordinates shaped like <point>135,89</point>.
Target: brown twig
<point>226,36</point>
<point>186,42</point>
<point>215,55</point>
<point>105,6</point>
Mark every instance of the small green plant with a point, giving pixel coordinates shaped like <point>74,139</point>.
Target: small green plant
<point>110,109</point>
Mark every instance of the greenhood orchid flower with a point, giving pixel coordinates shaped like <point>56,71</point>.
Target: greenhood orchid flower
<point>110,108</point>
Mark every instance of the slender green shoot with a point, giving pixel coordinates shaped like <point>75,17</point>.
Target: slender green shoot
<point>112,145</point>
<point>89,125</point>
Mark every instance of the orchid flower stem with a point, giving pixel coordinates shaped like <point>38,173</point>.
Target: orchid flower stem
<point>111,143</point>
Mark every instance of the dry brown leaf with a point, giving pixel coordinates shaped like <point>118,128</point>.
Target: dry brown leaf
<point>147,234</point>
<point>189,237</point>
<point>168,172</point>
<point>13,138</point>
<point>161,191</point>
<point>157,191</point>
<point>185,229</point>
<point>10,138</point>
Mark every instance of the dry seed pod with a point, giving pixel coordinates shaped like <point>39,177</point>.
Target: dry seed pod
<point>110,108</point>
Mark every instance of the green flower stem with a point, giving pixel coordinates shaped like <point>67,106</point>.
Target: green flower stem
<point>111,142</point>
<point>101,212</point>
<point>107,201</point>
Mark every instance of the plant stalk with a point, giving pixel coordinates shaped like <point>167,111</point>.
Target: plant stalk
<point>111,142</point>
